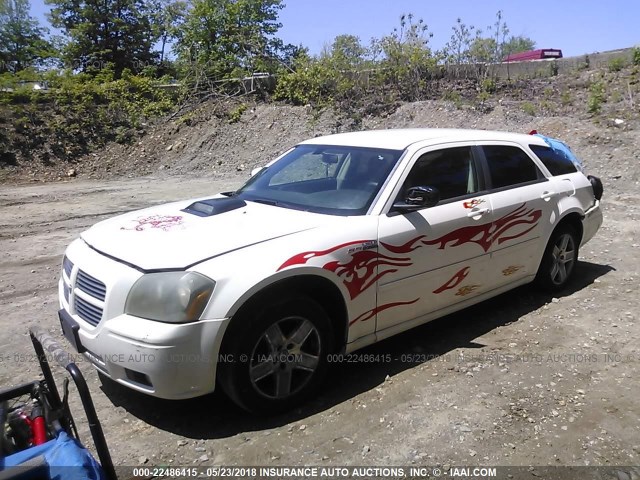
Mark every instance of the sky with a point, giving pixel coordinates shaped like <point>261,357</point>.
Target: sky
<point>574,26</point>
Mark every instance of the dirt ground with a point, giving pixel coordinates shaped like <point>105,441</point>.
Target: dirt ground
<point>522,379</point>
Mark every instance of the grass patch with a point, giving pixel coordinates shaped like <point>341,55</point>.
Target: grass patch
<point>528,108</point>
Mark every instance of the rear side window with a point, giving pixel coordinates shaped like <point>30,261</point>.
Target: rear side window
<point>556,161</point>
<point>509,166</point>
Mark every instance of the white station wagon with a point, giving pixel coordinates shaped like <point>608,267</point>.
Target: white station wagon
<point>342,241</point>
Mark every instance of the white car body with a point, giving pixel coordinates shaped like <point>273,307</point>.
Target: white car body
<point>390,271</point>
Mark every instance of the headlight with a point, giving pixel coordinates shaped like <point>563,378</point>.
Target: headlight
<point>175,297</point>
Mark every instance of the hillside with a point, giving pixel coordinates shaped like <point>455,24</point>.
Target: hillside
<point>592,109</point>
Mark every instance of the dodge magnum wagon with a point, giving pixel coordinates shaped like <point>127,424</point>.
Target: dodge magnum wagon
<point>340,242</point>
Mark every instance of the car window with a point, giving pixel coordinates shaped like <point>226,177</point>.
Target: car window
<point>450,170</point>
<point>331,179</point>
<point>509,166</point>
<point>555,160</point>
<point>310,166</point>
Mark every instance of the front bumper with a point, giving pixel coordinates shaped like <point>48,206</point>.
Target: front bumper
<point>172,361</point>
<point>166,360</point>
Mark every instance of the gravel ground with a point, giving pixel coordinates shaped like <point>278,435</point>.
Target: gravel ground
<point>522,379</point>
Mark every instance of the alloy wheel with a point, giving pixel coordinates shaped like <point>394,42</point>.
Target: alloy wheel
<point>285,357</point>
<point>563,258</point>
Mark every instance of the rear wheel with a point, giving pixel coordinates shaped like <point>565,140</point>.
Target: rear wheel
<point>559,260</point>
<point>279,355</point>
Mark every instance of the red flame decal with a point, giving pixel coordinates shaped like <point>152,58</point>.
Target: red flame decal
<point>473,203</point>
<point>366,267</point>
<point>488,233</point>
<point>454,281</point>
<point>304,257</point>
<point>408,247</point>
<point>373,312</point>
<point>163,222</point>
<point>359,273</point>
<point>362,270</point>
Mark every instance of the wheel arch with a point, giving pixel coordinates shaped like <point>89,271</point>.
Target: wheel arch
<point>319,288</point>
<point>573,219</point>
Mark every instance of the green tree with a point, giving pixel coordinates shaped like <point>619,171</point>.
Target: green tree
<point>518,44</point>
<point>348,52</point>
<point>500,32</point>
<point>408,61</point>
<point>286,55</point>
<point>167,16</point>
<point>482,50</point>
<point>102,33</point>
<point>22,43</point>
<point>229,37</point>
<point>469,45</point>
<point>459,45</point>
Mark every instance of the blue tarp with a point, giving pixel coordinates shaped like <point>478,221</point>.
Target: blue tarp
<point>66,459</point>
<point>563,149</point>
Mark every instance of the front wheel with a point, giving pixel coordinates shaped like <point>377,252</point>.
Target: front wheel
<point>279,355</point>
<point>559,260</point>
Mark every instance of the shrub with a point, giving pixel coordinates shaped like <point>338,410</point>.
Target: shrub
<point>528,108</point>
<point>483,97</point>
<point>586,64</point>
<point>565,98</point>
<point>313,82</point>
<point>79,112</point>
<point>616,64</point>
<point>489,85</point>
<point>453,96</point>
<point>236,114</point>
<point>596,97</point>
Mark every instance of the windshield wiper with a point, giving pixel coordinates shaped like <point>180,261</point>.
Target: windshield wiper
<point>275,203</point>
<point>265,201</point>
<point>229,194</point>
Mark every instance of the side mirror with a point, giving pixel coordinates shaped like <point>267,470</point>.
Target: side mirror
<point>417,198</point>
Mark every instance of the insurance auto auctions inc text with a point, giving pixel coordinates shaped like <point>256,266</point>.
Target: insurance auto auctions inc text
<point>375,472</point>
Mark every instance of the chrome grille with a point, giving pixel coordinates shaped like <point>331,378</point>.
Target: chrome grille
<point>89,313</point>
<point>67,266</point>
<point>91,286</point>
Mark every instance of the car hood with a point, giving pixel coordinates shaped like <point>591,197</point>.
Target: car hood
<point>167,237</point>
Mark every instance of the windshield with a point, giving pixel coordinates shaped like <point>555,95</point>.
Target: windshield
<point>336,180</point>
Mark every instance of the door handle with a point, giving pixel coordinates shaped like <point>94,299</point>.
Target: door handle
<point>477,212</point>
<point>546,195</point>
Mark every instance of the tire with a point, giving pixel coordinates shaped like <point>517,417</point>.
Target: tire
<point>559,259</point>
<point>280,355</point>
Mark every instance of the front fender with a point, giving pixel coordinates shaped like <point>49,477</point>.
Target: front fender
<point>334,255</point>
<point>265,283</point>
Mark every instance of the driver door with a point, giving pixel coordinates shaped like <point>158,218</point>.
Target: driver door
<point>435,257</point>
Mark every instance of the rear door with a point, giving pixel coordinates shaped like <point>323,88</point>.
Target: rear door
<point>564,171</point>
<point>523,202</point>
